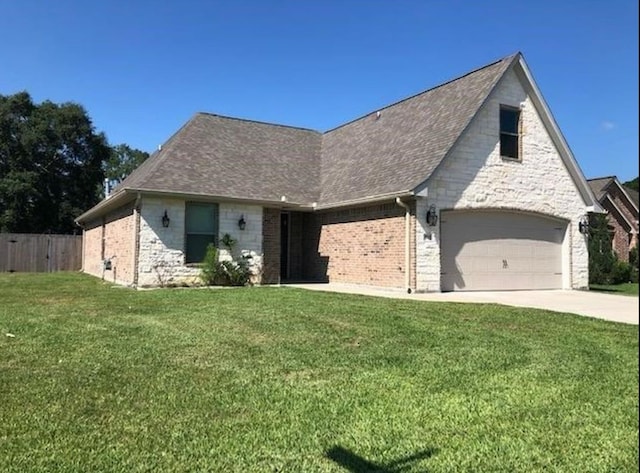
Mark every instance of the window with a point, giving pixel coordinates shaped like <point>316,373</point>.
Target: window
<point>509,132</point>
<point>201,228</point>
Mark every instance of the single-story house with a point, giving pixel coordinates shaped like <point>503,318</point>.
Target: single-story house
<point>621,205</point>
<point>469,185</point>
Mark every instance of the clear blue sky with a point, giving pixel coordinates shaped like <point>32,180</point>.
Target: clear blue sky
<point>142,68</point>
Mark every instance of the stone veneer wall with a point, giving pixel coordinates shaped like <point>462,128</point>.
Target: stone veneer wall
<point>474,176</point>
<point>363,245</point>
<point>161,258</point>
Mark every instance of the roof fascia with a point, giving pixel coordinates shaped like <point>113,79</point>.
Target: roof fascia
<point>550,123</point>
<point>365,200</point>
<point>112,202</point>
<point>624,192</point>
<point>617,209</point>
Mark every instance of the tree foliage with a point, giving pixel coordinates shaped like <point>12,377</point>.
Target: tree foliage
<point>122,161</point>
<point>601,257</point>
<point>50,164</point>
<point>632,184</point>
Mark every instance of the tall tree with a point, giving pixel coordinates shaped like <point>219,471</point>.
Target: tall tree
<point>50,164</point>
<point>122,161</point>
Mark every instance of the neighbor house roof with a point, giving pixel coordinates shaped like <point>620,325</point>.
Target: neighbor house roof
<point>633,194</point>
<point>389,152</point>
<point>601,187</point>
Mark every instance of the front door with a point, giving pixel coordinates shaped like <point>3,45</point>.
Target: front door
<point>284,246</point>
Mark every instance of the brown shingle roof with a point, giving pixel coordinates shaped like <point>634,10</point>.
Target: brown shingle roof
<point>599,186</point>
<point>230,157</point>
<point>400,149</point>
<point>370,156</point>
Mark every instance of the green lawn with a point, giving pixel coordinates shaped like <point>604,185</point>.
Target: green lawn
<point>627,289</point>
<point>103,379</point>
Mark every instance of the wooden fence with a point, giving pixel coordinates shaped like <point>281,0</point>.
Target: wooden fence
<point>25,252</point>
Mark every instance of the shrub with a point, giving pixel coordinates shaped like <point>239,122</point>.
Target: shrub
<point>211,272</point>
<point>633,263</point>
<point>224,273</point>
<point>621,272</point>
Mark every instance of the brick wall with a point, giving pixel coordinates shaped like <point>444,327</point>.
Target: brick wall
<point>92,248</point>
<point>364,245</point>
<point>271,246</point>
<point>624,237</point>
<point>111,238</point>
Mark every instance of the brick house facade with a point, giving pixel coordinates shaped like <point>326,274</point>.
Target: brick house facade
<point>622,214</point>
<point>369,202</point>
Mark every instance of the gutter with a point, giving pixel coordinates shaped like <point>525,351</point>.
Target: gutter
<point>407,244</point>
<point>136,238</point>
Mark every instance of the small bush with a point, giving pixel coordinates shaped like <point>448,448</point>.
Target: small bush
<point>633,262</point>
<point>211,271</point>
<point>224,273</point>
<point>621,272</point>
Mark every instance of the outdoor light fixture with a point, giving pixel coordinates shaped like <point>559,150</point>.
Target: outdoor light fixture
<point>165,220</point>
<point>432,216</point>
<point>242,223</point>
<point>583,226</point>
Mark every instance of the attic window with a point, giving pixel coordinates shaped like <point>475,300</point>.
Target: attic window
<point>509,132</point>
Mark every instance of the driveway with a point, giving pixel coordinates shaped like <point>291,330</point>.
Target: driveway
<point>616,308</point>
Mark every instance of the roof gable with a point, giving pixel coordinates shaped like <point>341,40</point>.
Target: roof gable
<point>602,186</point>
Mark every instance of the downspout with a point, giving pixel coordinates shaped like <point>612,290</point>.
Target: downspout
<point>407,244</point>
<point>136,238</point>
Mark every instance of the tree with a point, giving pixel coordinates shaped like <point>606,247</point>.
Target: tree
<point>632,184</point>
<point>601,257</point>
<point>50,164</point>
<point>122,161</point>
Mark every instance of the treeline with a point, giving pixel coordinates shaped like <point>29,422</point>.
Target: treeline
<point>53,164</point>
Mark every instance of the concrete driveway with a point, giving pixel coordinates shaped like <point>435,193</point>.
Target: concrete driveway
<point>616,308</point>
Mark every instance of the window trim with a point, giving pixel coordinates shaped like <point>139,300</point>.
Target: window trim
<point>518,134</point>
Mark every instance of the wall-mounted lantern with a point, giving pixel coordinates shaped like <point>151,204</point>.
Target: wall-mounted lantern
<point>583,225</point>
<point>165,220</point>
<point>432,216</point>
<point>242,223</point>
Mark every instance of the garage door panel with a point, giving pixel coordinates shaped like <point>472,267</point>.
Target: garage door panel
<point>495,250</point>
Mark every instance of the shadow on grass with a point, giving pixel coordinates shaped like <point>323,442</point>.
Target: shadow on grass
<point>357,464</point>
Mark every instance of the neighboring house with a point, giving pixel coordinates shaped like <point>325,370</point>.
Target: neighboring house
<point>621,205</point>
<point>467,186</point>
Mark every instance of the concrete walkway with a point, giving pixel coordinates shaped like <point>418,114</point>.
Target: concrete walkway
<point>616,308</point>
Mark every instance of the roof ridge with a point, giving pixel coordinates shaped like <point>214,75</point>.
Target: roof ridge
<point>227,117</point>
<point>600,178</point>
<point>478,69</point>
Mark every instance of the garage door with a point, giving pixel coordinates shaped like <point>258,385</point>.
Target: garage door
<point>489,251</point>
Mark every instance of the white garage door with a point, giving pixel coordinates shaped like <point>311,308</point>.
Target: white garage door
<point>489,251</point>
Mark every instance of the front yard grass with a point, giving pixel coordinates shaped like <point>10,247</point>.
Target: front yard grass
<point>96,378</point>
<point>627,289</point>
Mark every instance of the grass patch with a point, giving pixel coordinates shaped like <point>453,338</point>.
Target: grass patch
<point>627,289</point>
<point>280,379</point>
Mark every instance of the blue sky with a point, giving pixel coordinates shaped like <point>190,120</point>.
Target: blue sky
<point>142,68</point>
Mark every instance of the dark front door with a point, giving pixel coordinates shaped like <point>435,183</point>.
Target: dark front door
<point>284,245</point>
